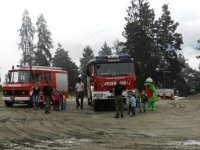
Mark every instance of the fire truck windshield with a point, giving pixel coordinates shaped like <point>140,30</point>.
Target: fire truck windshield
<point>114,69</point>
<point>20,76</point>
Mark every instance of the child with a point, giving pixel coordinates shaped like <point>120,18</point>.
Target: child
<point>41,101</point>
<point>132,104</point>
<point>61,94</point>
<point>64,103</point>
<point>138,100</point>
<point>129,104</point>
<point>56,100</point>
<point>144,100</point>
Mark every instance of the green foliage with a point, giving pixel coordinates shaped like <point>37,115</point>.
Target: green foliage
<point>26,33</point>
<point>87,56</point>
<point>140,42</point>
<point>118,47</point>
<point>153,44</point>
<point>189,79</point>
<point>62,59</point>
<point>44,44</point>
<point>198,48</point>
<point>105,50</point>
<point>168,42</point>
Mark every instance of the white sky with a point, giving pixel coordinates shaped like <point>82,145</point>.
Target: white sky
<point>78,23</point>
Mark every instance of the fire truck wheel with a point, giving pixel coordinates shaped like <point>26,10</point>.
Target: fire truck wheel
<point>9,104</point>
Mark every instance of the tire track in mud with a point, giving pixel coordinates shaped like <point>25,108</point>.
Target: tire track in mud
<point>26,128</point>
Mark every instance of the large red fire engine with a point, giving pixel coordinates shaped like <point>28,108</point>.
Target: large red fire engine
<point>102,74</point>
<point>18,87</point>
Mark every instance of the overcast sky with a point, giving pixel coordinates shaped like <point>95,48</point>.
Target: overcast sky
<point>78,23</point>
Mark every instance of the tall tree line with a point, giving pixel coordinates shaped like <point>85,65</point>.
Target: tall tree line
<point>154,44</point>
<point>40,53</point>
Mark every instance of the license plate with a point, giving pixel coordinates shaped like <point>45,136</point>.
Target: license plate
<point>99,95</point>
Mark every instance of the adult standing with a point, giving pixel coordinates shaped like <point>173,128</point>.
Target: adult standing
<point>35,96</point>
<point>47,92</point>
<point>79,91</point>
<point>118,99</point>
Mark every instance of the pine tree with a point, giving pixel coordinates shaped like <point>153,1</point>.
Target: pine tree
<point>168,43</point>
<point>62,59</point>
<point>105,50</point>
<point>44,44</point>
<point>87,56</point>
<point>198,47</point>
<point>188,81</point>
<point>26,33</point>
<point>117,46</point>
<point>140,44</point>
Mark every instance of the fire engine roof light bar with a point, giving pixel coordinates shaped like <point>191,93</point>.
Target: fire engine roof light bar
<point>113,56</point>
<point>40,67</point>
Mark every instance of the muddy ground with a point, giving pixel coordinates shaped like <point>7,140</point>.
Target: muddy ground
<point>174,125</point>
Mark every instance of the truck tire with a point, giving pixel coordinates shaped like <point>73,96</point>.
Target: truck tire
<point>95,105</point>
<point>9,104</point>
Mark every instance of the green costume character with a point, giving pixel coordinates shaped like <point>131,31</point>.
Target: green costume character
<point>151,93</point>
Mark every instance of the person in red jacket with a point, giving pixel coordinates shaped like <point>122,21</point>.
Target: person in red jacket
<point>56,100</point>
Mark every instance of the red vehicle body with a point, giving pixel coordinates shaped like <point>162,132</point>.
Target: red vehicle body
<point>19,85</point>
<point>102,74</point>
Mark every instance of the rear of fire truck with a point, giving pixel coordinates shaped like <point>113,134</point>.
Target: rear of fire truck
<point>102,74</point>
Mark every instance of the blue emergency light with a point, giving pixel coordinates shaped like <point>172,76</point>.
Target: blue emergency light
<point>113,56</point>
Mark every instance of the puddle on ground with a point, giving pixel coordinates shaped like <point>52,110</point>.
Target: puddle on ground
<point>188,142</point>
<point>59,144</point>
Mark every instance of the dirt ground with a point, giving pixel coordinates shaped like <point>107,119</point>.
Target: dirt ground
<point>174,125</point>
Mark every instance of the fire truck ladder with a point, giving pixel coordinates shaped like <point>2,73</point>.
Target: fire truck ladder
<point>41,67</point>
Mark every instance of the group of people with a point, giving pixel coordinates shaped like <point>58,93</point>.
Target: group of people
<point>137,100</point>
<point>44,97</point>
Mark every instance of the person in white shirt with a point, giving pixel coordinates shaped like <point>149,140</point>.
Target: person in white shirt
<point>79,91</point>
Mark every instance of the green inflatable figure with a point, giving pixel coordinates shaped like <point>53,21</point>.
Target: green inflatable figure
<point>151,93</point>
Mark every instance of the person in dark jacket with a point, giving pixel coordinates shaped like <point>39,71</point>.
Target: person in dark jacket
<point>35,96</point>
<point>47,92</point>
<point>118,99</point>
<point>144,100</point>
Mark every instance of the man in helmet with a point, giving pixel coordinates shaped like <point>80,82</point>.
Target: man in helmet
<point>151,93</point>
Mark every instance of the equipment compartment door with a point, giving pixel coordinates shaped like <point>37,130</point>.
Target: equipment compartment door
<point>61,81</point>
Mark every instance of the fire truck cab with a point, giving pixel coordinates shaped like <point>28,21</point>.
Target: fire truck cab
<point>102,74</point>
<point>20,82</point>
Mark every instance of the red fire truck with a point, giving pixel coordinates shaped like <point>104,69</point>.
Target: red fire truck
<point>18,87</point>
<point>102,74</point>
